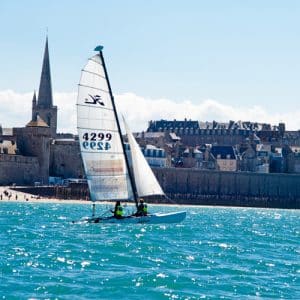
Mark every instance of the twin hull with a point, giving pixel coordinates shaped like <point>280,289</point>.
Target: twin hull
<point>158,218</point>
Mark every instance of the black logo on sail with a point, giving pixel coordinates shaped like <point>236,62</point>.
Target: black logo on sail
<point>94,100</point>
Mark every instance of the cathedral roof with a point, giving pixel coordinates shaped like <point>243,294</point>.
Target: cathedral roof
<point>45,89</point>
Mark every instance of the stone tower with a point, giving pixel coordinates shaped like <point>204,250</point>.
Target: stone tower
<point>43,106</point>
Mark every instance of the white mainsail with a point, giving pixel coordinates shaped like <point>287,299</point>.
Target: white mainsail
<point>99,137</point>
<point>145,181</point>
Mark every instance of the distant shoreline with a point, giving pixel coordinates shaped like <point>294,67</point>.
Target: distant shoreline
<point>30,198</point>
<point>17,196</point>
<point>23,197</point>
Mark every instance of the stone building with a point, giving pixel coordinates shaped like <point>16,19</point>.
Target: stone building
<point>226,158</point>
<point>292,159</point>
<point>157,139</point>
<point>43,107</point>
<point>35,152</point>
<point>193,133</point>
<point>65,159</point>
<point>248,161</point>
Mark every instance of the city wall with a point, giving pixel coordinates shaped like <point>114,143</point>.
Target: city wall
<point>190,186</point>
<point>18,169</point>
<point>65,159</point>
<point>187,186</point>
<point>73,191</point>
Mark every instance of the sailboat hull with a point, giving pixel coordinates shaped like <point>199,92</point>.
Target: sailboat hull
<point>158,218</point>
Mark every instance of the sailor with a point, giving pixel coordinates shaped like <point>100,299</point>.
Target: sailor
<point>142,209</point>
<point>118,211</point>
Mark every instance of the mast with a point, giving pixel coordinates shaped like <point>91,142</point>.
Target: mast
<point>100,48</point>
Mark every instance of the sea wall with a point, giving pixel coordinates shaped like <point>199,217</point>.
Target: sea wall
<point>72,191</point>
<point>18,169</point>
<point>230,188</point>
<point>188,186</point>
<point>65,159</point>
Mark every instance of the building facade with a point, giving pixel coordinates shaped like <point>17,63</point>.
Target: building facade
<point>35,152</point>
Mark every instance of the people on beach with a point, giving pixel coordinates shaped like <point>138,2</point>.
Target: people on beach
<point>8,194</point>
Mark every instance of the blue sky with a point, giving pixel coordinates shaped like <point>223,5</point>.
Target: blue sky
<point>241,54</point>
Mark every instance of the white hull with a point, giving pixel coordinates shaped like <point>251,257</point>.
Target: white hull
<point>158,218</point>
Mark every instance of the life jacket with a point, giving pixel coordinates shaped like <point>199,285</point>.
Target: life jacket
<point>145,209</point>
<point>119,211</point>
<point>142,209</point>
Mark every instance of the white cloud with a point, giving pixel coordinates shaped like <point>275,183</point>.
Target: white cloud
<point>138,111</point>
<point>15,111</point>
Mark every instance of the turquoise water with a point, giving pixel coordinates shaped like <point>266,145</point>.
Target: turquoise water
<point>229,253</point>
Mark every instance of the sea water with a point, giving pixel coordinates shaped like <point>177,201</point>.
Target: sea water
<point>216,253</point>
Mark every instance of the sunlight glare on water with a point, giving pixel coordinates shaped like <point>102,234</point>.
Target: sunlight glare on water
<point>230,253</point>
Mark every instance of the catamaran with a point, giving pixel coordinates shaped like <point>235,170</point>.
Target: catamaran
<point>103,152</point>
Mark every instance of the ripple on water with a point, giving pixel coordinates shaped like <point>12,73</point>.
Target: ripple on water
<point>216,252</point>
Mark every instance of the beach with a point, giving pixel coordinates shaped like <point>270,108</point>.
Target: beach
<point>9,194</point>
<point>17,196</point>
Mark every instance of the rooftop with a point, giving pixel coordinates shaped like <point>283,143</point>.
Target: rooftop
<point>39,122</point>
<point>225,152</point>
<point>161,125</point>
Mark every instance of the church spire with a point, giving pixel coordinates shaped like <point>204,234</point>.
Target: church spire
<point>33,105</point>
<point>42,108</point>
<point>45,90</point>
<point>34,99</point>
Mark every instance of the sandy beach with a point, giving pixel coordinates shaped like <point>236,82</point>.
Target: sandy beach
<point>8,194</point>
<point>17,196</point>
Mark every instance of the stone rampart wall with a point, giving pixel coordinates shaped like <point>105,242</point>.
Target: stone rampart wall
<point>187,186</point>
<point>18,169</point>
<point>230,188</point>
<point>66,160</point>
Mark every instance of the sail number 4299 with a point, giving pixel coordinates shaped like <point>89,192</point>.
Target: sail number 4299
<point>96,141</point>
